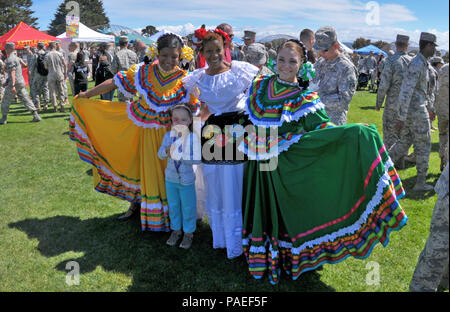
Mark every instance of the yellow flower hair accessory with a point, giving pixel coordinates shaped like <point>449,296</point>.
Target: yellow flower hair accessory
<point>187,53</point>
<point>152,51</point>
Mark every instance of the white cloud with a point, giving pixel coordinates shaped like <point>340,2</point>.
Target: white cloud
<point>277,17</point>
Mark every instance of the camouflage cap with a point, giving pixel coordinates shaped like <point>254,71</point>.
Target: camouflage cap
<point>436,59</point>
<point>325,37</point>
<point>256,54</point>
<point>123,39</point>
<point>402,39</point>
<point>248,34</point>
<point>40,44</point>
<point>424,36</point>
<point>10,45</point>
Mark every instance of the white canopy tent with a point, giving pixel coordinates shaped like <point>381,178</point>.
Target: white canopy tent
<point>85,34</point>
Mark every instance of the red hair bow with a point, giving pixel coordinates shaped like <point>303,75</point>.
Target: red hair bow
<point>223,34</point>
<point>200,33</point>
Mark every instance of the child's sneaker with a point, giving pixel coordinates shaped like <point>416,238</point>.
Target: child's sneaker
<point>187,240</point>
<point>174,237</point>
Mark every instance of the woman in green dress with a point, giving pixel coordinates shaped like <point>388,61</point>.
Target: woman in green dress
<point>314,193</point>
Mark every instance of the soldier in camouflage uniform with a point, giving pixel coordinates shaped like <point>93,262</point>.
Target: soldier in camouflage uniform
<point>413,117</point>
<point>258,56</point>
<point>355,59</point>
<point>390,83</point>
<point>432,267</point>
<point>123,60</point>
<point>336,76</point>
<point>63,53</point>
<point>40,83</point>
<point>57,75</point>
<point>442,114</point>
<point>15,85</point>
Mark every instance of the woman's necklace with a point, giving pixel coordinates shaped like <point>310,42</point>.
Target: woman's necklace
<point>294,84</point>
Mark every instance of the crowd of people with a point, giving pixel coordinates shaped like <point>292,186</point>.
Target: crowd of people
<point>282,112</point>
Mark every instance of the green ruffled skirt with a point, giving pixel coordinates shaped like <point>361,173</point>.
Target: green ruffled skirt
<point>334,194</point>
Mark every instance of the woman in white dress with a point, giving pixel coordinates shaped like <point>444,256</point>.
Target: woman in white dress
<point>222,88</point>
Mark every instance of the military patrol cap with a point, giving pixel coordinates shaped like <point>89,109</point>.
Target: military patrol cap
<point>436,59</point>
<point>325,37</point>
<point>248,34</point>
<point>10,45</point>
<point>40,44</point>
<point>123,39</point>
<point>424,36</point>
<point>256,54</point>
<point>402,39</point>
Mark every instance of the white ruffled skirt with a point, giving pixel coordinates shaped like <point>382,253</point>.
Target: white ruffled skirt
<point>224,185</point>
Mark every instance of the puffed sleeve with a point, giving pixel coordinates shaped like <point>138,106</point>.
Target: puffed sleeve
<point>124,80</point>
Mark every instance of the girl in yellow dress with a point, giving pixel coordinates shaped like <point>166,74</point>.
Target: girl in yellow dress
<point>121,140</point>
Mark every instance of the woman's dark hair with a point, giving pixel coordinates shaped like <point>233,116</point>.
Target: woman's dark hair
<point>188,109</point>
<point>211,36</point>
<point>301,49</point>
<point>170,41</point>
<point>80,58</point>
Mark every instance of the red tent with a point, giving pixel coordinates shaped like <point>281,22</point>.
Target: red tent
<point>23,35</point>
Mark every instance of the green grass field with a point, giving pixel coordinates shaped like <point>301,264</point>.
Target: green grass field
<point>51,215</point>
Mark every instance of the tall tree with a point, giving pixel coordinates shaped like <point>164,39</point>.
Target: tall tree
<point>149,31</point>
<point>383,45</point>
<point>360,43</point>
<point>92,13</point>
<point>14,12</point>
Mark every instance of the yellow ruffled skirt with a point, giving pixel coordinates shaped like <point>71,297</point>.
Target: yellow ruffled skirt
<point>124,153</point>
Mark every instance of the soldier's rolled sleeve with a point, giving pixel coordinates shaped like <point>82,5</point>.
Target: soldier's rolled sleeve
<point>408,85</point>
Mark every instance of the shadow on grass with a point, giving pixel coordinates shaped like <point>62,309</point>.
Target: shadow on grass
<point>153,266</point>
<point>367,107</point>
<point>409,183</point>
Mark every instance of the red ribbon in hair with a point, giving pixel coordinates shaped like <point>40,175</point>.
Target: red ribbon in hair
<point>200,33</point>
<point>223,34</point>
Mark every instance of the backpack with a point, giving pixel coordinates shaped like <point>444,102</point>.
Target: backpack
<point>80,74</point>
<point>40,64</point>
<point>102,73</point>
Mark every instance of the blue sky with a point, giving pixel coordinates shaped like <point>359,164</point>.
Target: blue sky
<point>376,20</point>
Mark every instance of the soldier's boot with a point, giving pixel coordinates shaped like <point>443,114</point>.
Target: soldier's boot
<point>45,107</point>
<point>3,120</point>
<point>421,185</point>
<point>36,117</point>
